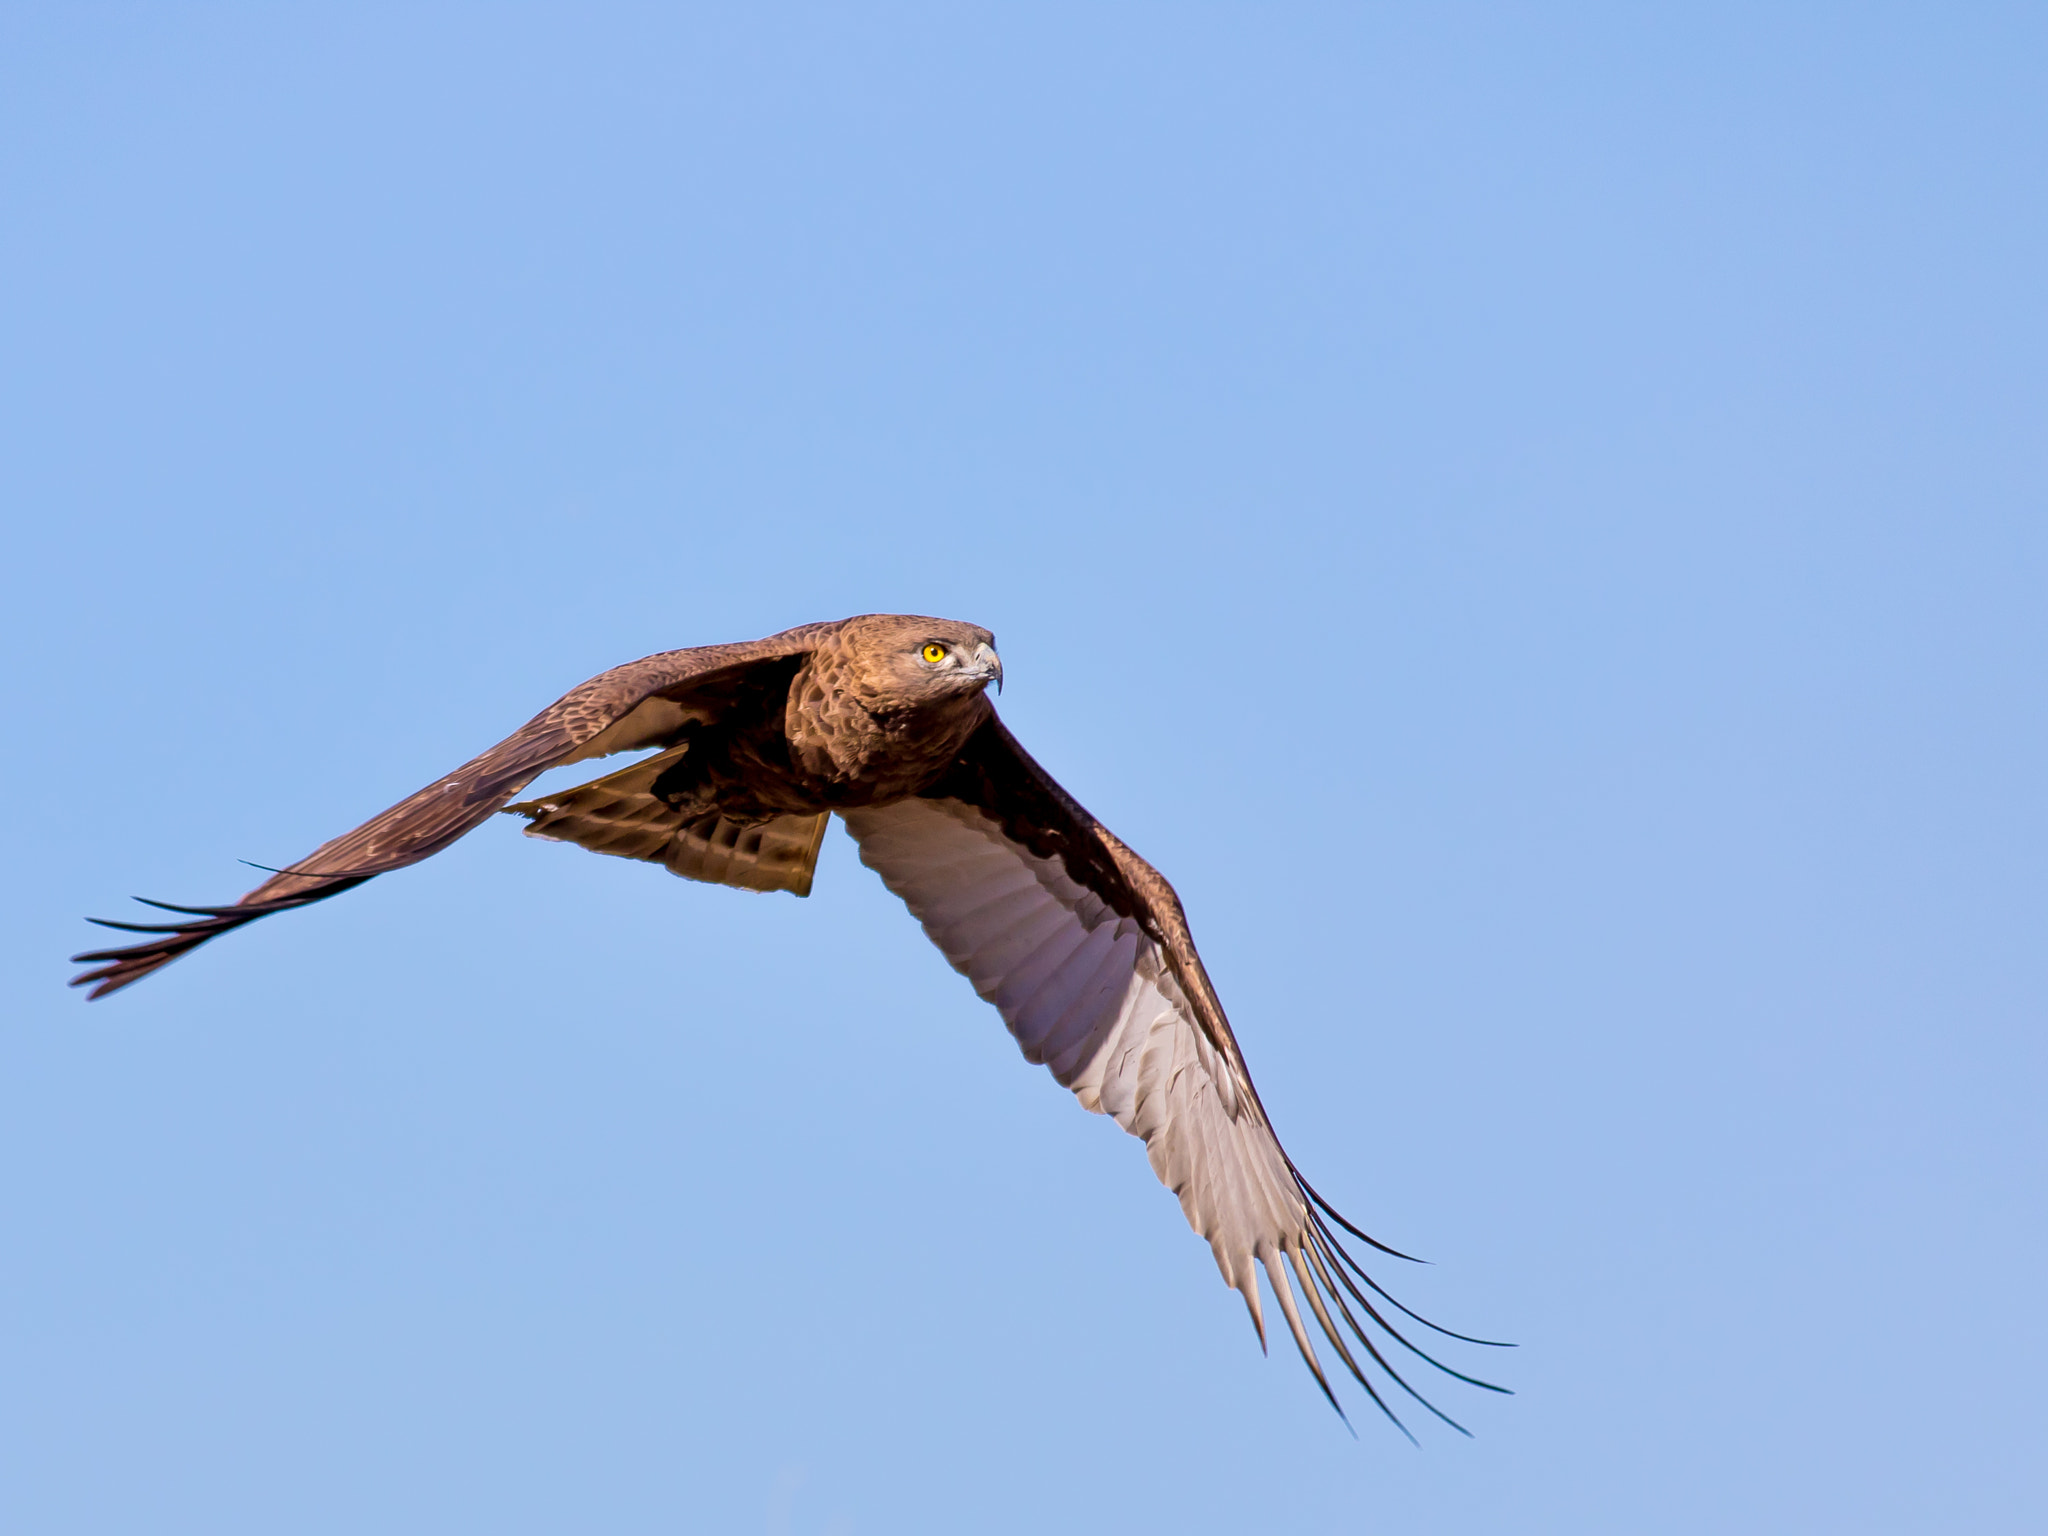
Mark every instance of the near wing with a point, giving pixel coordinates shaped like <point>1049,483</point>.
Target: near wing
<point>1084,949</point>
<point>646,703</point>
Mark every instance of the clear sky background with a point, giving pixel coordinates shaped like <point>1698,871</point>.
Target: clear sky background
<point>1534,516</point>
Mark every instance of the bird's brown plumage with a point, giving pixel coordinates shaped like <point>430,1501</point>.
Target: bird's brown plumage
<point>1079,943</point>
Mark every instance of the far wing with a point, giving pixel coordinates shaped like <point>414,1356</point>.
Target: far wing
<point>1084,950</point>
<point>645,703</point>
<point>620,814</point>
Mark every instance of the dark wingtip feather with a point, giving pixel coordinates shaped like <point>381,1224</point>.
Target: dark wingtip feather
<point>1339,1249</point>
<point>1332,1280</point>
<point>119,968</point>
<point>1372,1349</point>
<point>115,976</point>
<point>1392,1332</point>
<point>1338,1216</point>
<point>165,906</point>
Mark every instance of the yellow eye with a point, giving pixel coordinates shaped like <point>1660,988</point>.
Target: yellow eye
<point>934,653</point>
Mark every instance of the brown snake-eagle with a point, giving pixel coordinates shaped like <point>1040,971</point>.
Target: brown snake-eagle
<point>1079,943</point>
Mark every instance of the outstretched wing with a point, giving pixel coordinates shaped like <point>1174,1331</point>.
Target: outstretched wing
<point>646,703</point>
<point>1083,948</point>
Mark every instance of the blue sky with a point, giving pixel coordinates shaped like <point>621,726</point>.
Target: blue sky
<point>1534,517</point>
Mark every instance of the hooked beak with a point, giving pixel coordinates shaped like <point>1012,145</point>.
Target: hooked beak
<point>987,664</point>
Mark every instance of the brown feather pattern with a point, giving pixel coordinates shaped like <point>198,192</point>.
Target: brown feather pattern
<point>621,815</point>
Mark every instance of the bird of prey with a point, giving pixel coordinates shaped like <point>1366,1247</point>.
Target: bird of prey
<point>1079,943</point>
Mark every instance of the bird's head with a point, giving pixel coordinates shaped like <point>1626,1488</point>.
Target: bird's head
<point>921,662</point>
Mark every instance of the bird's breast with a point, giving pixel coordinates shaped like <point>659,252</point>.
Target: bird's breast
<point>850,754</point>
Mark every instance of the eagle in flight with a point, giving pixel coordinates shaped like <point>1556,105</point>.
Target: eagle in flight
<point>1079,943</point>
